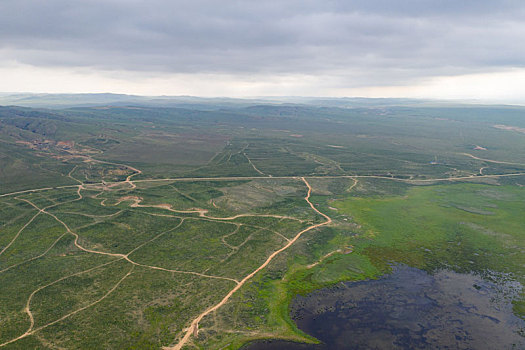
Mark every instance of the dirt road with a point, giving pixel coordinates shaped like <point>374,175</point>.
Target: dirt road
<point>241,178</point>
<point>193,328</point>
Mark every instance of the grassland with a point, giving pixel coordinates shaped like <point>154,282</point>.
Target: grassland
<point>138,228</point>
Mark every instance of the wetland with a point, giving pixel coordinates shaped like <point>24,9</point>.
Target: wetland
<point>410,309</point>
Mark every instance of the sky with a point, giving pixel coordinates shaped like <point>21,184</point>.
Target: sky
<point>444,49</point>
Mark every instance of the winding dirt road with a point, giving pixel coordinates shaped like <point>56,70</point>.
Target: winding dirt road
<point>193,328</point>
<point>202,213</point>
<point>490,160</point>
<point>241,178</point>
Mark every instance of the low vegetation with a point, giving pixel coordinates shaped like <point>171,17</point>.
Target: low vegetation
<point>123,227</point>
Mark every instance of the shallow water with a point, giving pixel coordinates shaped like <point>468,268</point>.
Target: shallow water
<point>409,309</point>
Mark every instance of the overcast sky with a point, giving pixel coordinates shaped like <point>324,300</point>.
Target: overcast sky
<point>412,48</point>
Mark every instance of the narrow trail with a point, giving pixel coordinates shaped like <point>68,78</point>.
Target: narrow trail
<point>202,212</point>
<point>89,305</point>
<point>253,165</point>
<point>155,237</point>
<point>93,216</point>
<point>193,328</point>
<point>128,259</point>
<point>69,175</point>
<point>183,272</point>
<point>223,238</point>
<point>230,218</point>
<point>490,160</point>
<point>94,160</point>
<point>212,220</point>
<point>125,256</point>
<point>349,189</point>
<point>235,249</point>
<point>277,233</point>
<point>36,190</point>
<point>20,231</point>
<point>89,158</point>
<point>323,258</point>
<point>40,211</point>
<point>35,257</point>
<point>75,235</point>
<point>27,308</point>
<point>128,179</point>
<point>73,178</point>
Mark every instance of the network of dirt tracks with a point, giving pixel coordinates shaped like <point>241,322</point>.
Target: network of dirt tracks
<point>136,202</point>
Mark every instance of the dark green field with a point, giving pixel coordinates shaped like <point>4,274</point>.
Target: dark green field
<point>120,226</point>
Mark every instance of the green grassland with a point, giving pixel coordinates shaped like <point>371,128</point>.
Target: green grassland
<point>466,227</point>
<point>255,141</point>
<point>176,263</point>
<point>120,225</point>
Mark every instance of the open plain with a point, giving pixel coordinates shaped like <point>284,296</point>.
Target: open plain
<point>146,227</point>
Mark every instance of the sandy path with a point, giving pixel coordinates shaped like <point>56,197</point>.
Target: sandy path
<point>71,176</point>
<point>73,233</point>
<point>125,256</point>
<point>183,272</point>
<point>353,185</point>
<point>202,212</point>
<point>193,329</point>
<point>40,211</point>
<point>36,190</point>
<point>35,257</point>
<point>87,306</point>
<point>128,179</point>
<point>27,308</point>
<point>253,165</point>
<point>20,231</point>
<point>91,159</point>
<point>323,258</point>
<point>490,160</point>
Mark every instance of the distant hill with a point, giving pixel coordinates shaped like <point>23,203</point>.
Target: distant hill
<point>203,103</point>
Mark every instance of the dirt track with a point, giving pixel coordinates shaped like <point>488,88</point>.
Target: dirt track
<point>193,328</point>
<point>489,160</point>
<point>241,178</point>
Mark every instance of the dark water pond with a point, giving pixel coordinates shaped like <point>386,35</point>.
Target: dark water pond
<point>409,309</point>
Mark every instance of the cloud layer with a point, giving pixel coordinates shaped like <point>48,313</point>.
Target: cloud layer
<point>357,43</point>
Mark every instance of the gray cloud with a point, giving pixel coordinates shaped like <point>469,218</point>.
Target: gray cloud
<point>365,42</point>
